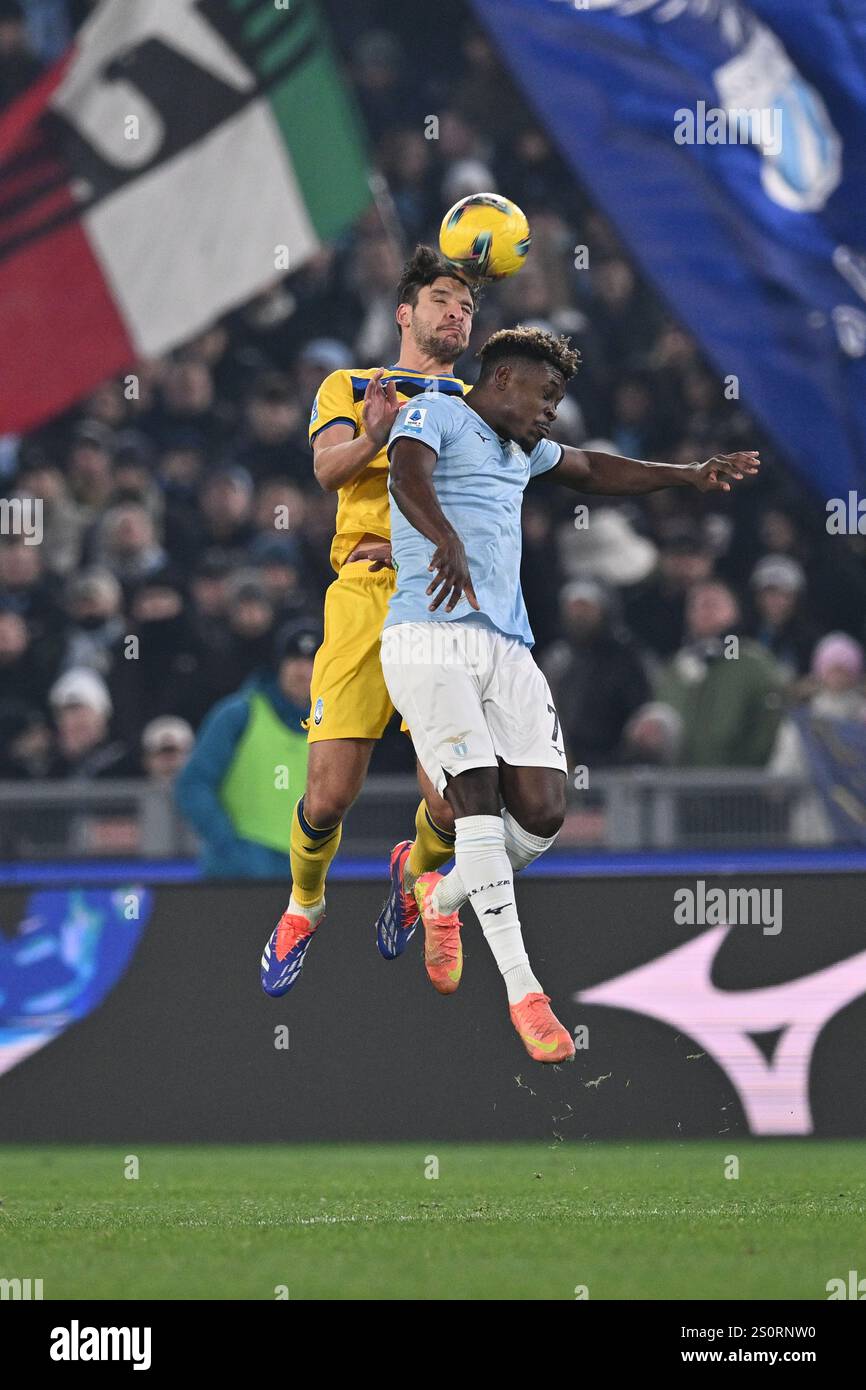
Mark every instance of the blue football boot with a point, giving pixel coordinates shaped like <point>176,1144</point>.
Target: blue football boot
<point>400,916</point>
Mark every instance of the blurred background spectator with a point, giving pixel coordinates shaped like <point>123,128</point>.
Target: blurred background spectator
<point>85,749</point>
<point>596,675</point>
<point>834,697</point>
<point>781,623</point>
<point>166,744</point>
<point>726,689</point>
<point>19,65</point>
<point>249,764</point>
<point>652,736</point>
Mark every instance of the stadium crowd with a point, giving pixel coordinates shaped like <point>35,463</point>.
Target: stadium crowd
<point>183,525</point>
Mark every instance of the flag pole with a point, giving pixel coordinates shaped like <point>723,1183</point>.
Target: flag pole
<point>387,211</point>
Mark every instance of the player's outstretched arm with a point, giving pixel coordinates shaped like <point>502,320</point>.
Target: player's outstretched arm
<point>338,454</point>
<point>588,471</point>
<point>411,486</point>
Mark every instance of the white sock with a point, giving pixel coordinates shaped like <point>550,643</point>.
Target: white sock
<point>521,848</point>
<point>520,981</point>
<point>489,879</point>
<point>313,912</point>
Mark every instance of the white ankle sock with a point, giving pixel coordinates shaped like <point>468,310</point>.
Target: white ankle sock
<point>520,981</point>
<point>489,879</point>
<point>521,848</point>
<point>313,913</point>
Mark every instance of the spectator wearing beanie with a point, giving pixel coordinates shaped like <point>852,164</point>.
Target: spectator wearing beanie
<point>838,698</point>
<point>780,625</point>
<point>82,711</point>
<point>166,744</point>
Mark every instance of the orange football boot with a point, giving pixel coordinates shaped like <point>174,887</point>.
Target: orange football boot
<point>540,1030</point>
<point>443,951</point>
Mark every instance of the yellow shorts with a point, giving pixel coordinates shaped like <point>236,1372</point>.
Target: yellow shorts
<point>348,695</point>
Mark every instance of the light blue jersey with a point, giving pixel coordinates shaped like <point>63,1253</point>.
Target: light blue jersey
<point>479,480</point>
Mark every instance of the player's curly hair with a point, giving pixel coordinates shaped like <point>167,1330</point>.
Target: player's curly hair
<point>529,342</point>
<point>423,267</point>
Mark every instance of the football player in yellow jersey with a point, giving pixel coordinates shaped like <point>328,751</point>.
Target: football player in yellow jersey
<point>349,703</point>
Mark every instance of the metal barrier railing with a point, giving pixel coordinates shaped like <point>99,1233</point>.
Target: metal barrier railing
<point>624,809</point>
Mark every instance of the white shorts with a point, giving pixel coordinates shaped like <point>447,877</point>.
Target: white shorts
<point>470,696</point>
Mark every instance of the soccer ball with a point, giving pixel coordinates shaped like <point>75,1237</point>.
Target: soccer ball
<point>485,236</point>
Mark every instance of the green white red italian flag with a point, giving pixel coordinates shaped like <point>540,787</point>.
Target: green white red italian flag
<point>149,178</point>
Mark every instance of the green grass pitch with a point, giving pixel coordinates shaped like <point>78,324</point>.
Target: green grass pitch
<point>650,1220</point>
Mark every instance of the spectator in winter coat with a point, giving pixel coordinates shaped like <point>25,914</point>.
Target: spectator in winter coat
<point>726,689</point>
<point>238,787</point>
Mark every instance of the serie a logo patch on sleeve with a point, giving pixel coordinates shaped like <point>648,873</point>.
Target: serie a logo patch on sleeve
<point>415,418</point>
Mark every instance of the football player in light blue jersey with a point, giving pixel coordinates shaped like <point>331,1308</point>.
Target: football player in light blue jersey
<point>456,647</point>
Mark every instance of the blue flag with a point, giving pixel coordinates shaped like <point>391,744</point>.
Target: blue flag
<point>727,144</point>
<point>836,750</point>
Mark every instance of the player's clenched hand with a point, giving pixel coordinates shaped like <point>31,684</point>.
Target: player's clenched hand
<point>717,474</point>
<point>451,575</point>
<point>380,408</point>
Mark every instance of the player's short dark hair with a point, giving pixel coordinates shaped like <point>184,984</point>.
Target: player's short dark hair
<point>534,343</point>
<point>423,267</point>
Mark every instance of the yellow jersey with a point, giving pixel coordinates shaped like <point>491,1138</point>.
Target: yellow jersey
<point>362,505</point>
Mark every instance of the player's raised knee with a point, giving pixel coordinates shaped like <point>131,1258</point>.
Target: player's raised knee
<point>545,822</point>
<point>542,815</point>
